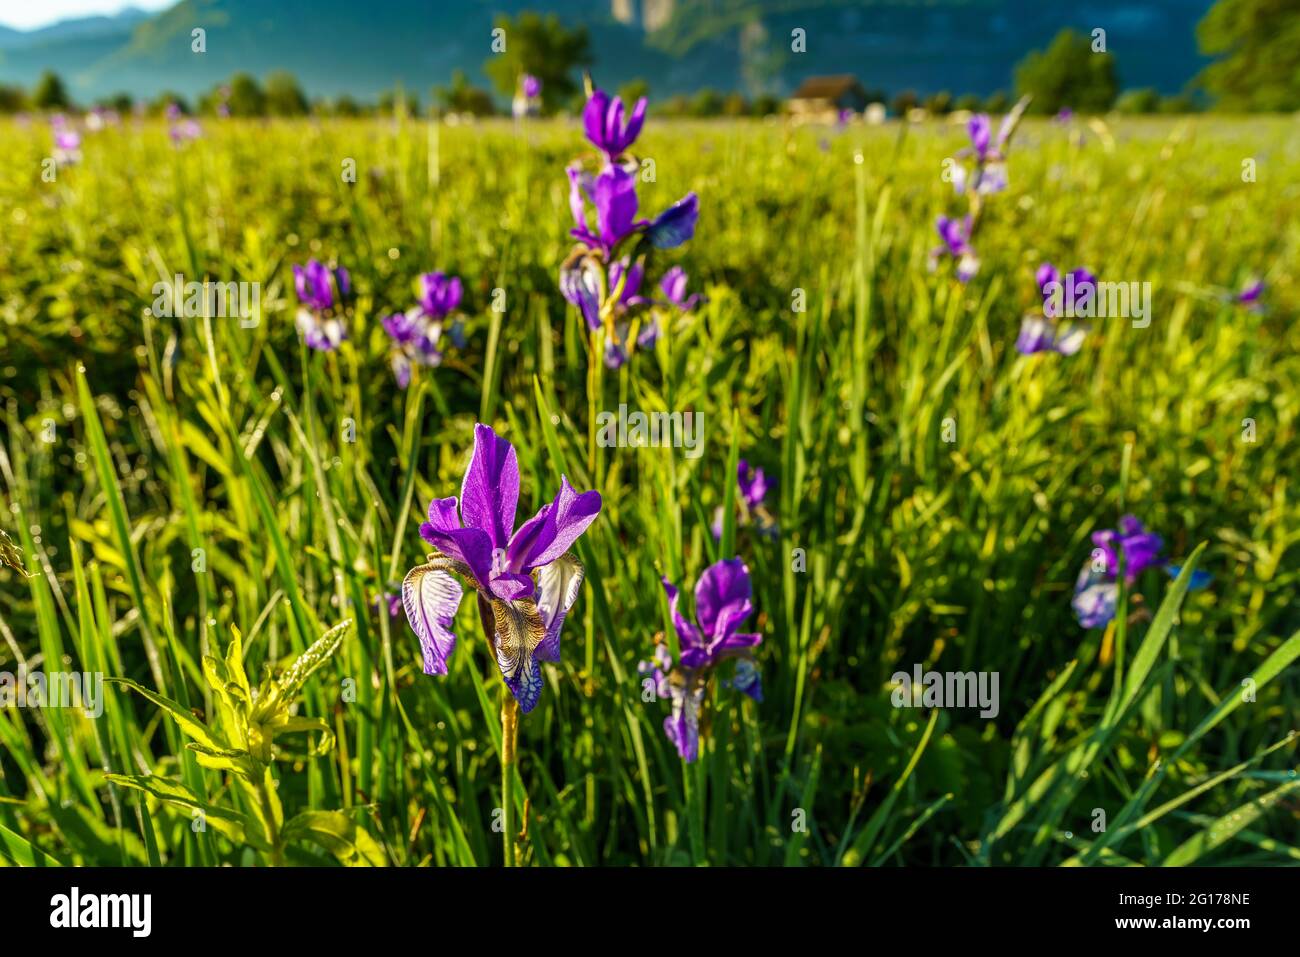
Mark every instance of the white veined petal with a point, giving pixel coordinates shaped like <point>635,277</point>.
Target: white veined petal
<point>431,597</point>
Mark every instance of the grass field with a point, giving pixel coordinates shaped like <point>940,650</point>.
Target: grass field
<point>171,480</point>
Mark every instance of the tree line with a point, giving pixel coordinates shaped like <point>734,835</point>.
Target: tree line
<point>1257,43</point>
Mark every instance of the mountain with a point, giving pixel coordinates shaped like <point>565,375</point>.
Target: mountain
<point>678,46</point>
<point>119,25</point>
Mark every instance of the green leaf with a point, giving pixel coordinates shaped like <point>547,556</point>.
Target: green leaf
<point>290,683</point>
<point>239,761</point>
<point>1163,623</point>
<point>22,852</point>
<point>338,834</point>
<point>1226,827</point>
<point>857,854</point>
<point>191,725</point>
<point>11,555</point>
<point>229,823</point>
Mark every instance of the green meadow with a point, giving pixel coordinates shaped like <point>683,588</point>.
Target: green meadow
<point>203,506</point>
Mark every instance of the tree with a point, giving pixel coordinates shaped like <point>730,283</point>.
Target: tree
<point>246,97</point>
<point>707,102</point>
<point>1068,73</point>
<point>1259,43</point>
<point>463,97</point>
<point>1145,100</point>
<point>541,47</point>
<point>346,106</point>
<point>939,104</point>
<point>967,102</point>
<point>997,102</point>
<point>168,98</point>
<point>283,95</point>
<point>49,93</point>
<point>633,90</point>
<point>119,102</point>
<point>676,105</point>
<point>765,104</point>
<point>1181,103</point>
<point>903,103</point>
<point>399,101</point>
<point>12,99</point>
<point>735,105</point>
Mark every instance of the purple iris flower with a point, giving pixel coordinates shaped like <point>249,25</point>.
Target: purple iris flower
<point>417,332</point>
<point>415,338</point>
<point>593,273</point>
<point>1064,115</point>
<point>1096,592</point>
<point>532,86</point>
<point>439,294</point>
<point>321,291</point>
<point>630,296</point>
<point>67,141</point>
<point>173,112</point>
<point>673,286</point>
<point>526,579</point>
<point>315,285</point>
<point>1041,335</point>
<point>676,224</point>
<point>1200,578</point>
<point>604,122</point>
<point>1068,296</point>
<point>631,276</point>
<point>747,680</point>
<point>657,668</point>
<point>613,193</point>
<point>582,282</point>
<point>722,604</point>
<point>981,137</point>
<point>753,484</point>
<point>955,234</point>
<point>1095,598</point>
<point>393,601</point>
<point>1048,332</point>
<point>185,131</point>
<point>1250,295</point>
<point>989,174</point>
<point>1140,548</point>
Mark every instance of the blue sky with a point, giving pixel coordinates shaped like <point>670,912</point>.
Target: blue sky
<point>26,14</point>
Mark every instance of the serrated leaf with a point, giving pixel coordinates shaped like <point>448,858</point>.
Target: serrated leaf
<point>291,682</point>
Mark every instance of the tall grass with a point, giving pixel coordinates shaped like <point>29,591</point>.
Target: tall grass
<point>172,436</point>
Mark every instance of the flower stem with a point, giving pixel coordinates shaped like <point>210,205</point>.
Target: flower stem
<point>272,812</point>
<point>509,738</point>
